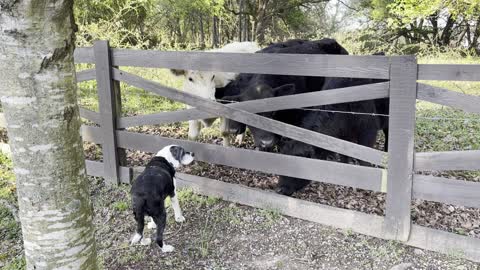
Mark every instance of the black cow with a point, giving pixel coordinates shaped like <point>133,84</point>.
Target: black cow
<point>258,86</point>
<point>324,119</point>
<point>381,105</point>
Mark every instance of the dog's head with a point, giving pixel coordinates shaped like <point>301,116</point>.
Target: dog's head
<point>176,155</point>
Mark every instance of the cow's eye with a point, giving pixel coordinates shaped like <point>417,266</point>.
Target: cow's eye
<point>213,77</point>
<point>190,79</point>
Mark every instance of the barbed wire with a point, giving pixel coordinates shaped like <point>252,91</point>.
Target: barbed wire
<point>433,118</point>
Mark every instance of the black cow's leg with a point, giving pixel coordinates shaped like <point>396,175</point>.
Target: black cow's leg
<point>289,185</point>
<point>385,132</point>
<point>367,138</point>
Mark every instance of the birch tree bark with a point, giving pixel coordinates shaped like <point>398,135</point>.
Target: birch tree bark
<point>38,94</point>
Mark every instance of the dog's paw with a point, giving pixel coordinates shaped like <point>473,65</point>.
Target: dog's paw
<point>145,241</point>
<point>167,248</point>
<point>180,219</point>
<point>136,238</point>
<point>151,225</point>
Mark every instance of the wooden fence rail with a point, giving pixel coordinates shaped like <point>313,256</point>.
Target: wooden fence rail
<point>467,103</point>
<point>448,72</point>
<point>375,67</point>
<point>448,161</point>
<point>326,97</point>
<point>439,189</point>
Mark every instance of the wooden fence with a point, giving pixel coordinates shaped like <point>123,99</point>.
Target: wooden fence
<point>399,167</point>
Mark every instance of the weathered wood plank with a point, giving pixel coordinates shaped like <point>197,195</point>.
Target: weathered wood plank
<point>326,97</point>
<point>445,242</point>
<point>310,137</point>
<point>467,103</point>
<point>91,134</point>
<point>85,75</point>
<point>448,161</point>
<point>96,168</point>
<point>375,67</point>
<point>90,115</point>
<point>3,121</point>
<point>367,178</point>
<point>403,77</point>
<point>449,72</point>
<point>122,154</point>
<point>327,215</point>
<point>84,55</point>
<point>108,110</point>
<point>358,222</point>
<point>439,189</point>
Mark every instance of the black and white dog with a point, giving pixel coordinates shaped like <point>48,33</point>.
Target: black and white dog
<point>152,187</point>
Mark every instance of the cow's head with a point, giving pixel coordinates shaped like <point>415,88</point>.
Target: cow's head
<point>265,140</point>
<point>199,83</point>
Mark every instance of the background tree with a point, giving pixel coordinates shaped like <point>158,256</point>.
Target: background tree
<point>38,94</point>
<point>437,23</point>
<point>399,26</point>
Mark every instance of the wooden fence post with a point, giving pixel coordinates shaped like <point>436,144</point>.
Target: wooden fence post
<point>109,102</point>
<point>403,94</point>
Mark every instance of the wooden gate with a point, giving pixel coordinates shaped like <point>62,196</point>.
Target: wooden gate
<point>397,175</point>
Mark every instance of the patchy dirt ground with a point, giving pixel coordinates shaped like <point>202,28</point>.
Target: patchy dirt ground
<point>223,235</point>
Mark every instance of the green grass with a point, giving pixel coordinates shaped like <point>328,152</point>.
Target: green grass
<point>18,263</point>
<point>134,100</point>
<point>7,179</point>
<point>271,216</point>
<point>187,196</point>
<point>121,206</point>
<point>10,230</point>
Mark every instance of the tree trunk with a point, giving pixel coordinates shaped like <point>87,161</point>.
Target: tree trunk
<point>434,21</point>
<point>38,94</point>
<point>202,34</point>
<point>215,34</point>
<point>447,31</point>
<point>476,36</point>
<point>261,21</point>
<point>240,22</point>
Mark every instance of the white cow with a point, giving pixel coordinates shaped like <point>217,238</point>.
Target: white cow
<point>203,83</point>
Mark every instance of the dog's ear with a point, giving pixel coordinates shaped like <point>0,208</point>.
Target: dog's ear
<point>177,152</point>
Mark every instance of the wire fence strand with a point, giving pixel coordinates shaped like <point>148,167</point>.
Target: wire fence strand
<point>433,118</point>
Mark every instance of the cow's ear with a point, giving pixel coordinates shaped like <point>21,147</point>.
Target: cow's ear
<point>284,90</point>
<point>178,72</point>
